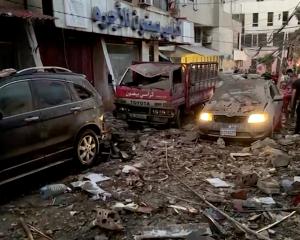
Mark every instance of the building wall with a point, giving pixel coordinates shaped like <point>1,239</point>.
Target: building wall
<point>247,8</point>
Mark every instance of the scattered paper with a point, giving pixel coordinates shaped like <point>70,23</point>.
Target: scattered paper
<point>217,182</point>
<point>186,209</point>
<point>265,200</point>
<point>95,177</point>
<point>297,179</point>
<point>133,207</point>
<point>91,186</point>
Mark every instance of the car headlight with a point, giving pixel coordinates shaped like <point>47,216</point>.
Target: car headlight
<point>206,117</point>
<point>101,118</point>
<point>257,118</point>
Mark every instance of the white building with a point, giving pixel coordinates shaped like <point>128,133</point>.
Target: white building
<point>261,21</point>
<point>215,33</point>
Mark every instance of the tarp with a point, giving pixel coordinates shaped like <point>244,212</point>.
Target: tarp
<point>151,70</point>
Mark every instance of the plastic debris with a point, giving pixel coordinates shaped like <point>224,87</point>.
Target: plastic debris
<point>217,182</point>
<point>53,190</point>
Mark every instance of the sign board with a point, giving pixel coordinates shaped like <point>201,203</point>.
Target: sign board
<point>120,19</point>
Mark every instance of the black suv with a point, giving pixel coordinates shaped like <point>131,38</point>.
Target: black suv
<point>48,115</point>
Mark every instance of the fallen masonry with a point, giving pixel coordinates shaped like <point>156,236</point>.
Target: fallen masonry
<point>170,183</point>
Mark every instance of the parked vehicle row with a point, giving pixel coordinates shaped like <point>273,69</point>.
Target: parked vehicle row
<point>51,115</point>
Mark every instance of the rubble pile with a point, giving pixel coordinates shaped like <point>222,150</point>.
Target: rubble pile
<point>171,184</point>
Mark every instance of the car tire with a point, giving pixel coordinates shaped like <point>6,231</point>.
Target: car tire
<point>86,148</point>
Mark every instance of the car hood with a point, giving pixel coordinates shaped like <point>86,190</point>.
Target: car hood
<point>233,108</point>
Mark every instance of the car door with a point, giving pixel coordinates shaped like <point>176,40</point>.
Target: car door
<point>56,114</point>
<point>19,126</point>
<point>275,102</point>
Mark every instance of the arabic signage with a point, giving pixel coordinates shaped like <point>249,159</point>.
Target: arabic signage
<point>118,18</point>
<point>149,94</point>
<point>123,17</point>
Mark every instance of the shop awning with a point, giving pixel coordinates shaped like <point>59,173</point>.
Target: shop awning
<point>24,14</point>
<point>201,50</point>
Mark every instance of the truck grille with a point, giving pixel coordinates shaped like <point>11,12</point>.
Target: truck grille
<point>226,119</point>
<point>141,110</point>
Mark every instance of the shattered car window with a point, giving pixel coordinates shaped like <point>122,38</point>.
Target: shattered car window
<point>135,79</point>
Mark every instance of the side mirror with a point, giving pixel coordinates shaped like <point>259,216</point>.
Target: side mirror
<point>277,98</point>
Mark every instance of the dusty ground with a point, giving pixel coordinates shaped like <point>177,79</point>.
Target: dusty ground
<point>70,215</point>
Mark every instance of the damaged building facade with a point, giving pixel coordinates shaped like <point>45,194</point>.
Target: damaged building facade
<point>97,38</point>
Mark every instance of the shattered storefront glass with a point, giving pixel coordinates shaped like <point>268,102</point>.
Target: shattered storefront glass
<point>121,57</point>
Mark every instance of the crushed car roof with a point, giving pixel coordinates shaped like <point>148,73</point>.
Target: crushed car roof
<point>151,70</point>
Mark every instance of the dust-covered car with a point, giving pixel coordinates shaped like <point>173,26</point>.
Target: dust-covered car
<point>242,108</point>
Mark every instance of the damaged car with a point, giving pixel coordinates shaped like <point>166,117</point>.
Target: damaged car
<point>242,108</point>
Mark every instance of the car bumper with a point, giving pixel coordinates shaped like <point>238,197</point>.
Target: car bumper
<point>146,118</point>
<point>243,130</point>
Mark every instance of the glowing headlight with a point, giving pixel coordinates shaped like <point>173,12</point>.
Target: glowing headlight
<point>257,118</point>
<point>101,118</point>
<point>206,117</point>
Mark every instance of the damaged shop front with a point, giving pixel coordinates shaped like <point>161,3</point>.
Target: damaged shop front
<point>18,45</point>
<point>121,34</point>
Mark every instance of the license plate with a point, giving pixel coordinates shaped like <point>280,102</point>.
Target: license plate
<point>139,116</point>
<point>231,132</point>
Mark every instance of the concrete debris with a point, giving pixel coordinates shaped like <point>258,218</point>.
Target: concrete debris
<point>108,219</point>
<point>240,194</point>
<point>130,169</point>
<point>268,186</point>
<point>247,179</point>
<point>92,188</point>
<point>174,231</point>
<point>221,143</point>
<point>277,157</point>
<point>264,143</point>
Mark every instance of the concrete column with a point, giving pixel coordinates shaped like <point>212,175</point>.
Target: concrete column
<point>33,44</point>
<point>156,51</point>
<point>145,52</point>
<point>101,76</point>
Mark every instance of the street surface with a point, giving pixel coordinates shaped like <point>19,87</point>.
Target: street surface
<point>159,195</point>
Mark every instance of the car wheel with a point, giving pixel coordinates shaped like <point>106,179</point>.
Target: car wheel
<point>87,146</point>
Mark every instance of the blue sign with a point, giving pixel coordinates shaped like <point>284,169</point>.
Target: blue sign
<point>124,17</point>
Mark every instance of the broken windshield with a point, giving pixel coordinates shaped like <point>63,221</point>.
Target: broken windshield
<point>134,79</point>
<point>245,92</point>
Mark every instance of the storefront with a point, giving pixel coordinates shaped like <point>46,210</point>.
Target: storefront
<point>18,46</point>
<point>119,34</point>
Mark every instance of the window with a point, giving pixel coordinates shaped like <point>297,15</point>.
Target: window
<point>162,4</point>
<point>278,39</point>
<point>270,18</point>
<point>262,39</point>
<point>82,93</point>
<point>254,40</point>
<point>15,99</point>
<point>248,40</point>
<point>285,17</point>
<point>51,93</point>
<point>255,20</point>
<point>197,31</point>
